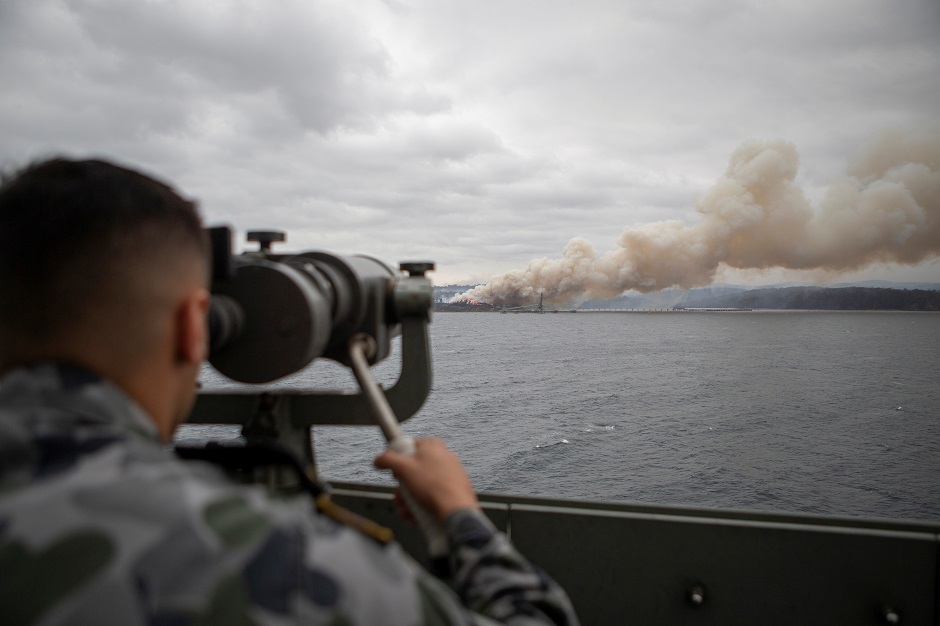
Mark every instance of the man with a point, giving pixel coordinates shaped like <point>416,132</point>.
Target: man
<point>103,298</point>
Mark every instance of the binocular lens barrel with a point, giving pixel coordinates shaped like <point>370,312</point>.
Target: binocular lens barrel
<point>274,315</point>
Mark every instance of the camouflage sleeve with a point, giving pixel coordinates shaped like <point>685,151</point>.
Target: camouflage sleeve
<point>324,573</point>
<point>244,559</point>
<point>493,579</point>
<point>100,524</point>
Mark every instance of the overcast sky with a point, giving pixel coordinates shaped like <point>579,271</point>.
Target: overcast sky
<point>478,134</point>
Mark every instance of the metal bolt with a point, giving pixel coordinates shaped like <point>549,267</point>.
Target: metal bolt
<point>266,237</point>
<point>696,595</point>
<point>416,268</point>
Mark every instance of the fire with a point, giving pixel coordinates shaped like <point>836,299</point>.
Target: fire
<point>467,300</point>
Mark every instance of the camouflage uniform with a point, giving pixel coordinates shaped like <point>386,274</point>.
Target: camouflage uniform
<point>101,524</point>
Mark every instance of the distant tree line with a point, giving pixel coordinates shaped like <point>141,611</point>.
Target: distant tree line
<point>821,298</point>
<point>462,307</point>
<point>810,298</point>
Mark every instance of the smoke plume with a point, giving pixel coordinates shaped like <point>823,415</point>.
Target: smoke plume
<point>885,209</point>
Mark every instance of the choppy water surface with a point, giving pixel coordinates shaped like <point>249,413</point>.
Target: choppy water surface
<point>835,413</point>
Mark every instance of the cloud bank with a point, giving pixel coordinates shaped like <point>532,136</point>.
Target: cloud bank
<point>480,135</point>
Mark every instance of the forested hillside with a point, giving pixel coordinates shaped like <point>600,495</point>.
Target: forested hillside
<point>815,298</point>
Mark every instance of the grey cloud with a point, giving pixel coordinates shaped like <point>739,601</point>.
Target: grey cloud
<point>130,72</point>
<point>486,133</point>
<point>322,72</point>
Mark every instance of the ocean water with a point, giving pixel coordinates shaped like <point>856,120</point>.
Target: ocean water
<point>817,412</point>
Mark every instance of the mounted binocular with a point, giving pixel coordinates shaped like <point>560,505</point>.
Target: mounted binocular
<point>272,314</point>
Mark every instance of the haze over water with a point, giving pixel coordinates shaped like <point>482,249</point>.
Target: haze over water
<point>832,413</point>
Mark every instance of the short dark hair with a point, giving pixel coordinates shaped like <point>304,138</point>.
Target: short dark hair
<point>70,229</point>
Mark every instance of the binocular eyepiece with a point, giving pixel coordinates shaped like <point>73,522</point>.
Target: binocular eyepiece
<point>273,314</point>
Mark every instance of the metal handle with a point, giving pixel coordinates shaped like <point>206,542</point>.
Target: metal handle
<point>359,349</point>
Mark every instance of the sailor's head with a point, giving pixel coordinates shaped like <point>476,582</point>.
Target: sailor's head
<point>104,267</point>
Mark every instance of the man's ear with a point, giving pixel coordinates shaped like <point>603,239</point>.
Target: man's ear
<point>192,335</point>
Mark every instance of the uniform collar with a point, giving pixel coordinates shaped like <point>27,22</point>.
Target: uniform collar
<point>77,396</point>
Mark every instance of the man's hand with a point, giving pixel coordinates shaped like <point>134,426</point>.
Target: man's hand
<point>434,476</point>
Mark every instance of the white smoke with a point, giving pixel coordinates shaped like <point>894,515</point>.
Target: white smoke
<point>886,209</point>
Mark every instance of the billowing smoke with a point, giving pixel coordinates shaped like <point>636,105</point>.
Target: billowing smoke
<point>886,209</point>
